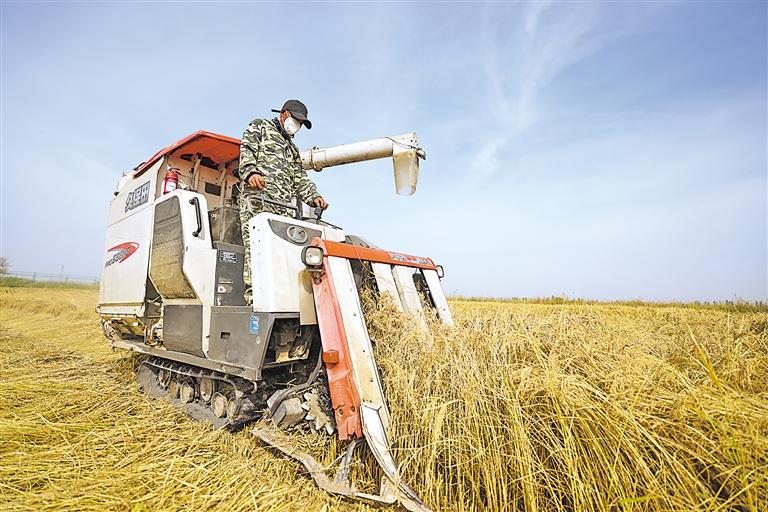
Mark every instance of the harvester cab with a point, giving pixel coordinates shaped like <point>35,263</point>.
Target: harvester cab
<point>172,288</point>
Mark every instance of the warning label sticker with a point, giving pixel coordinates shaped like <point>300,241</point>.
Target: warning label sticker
<point>253,326</point>
<point>228,257</point>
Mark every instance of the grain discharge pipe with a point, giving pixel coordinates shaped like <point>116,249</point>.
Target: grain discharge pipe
<point>404,150</point>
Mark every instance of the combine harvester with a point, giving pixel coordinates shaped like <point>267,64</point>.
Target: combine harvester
<point>172,288</point>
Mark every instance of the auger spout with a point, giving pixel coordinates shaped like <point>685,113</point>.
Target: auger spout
<point>404,150</point>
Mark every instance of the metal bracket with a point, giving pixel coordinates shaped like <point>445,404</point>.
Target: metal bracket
<point>340,484</point>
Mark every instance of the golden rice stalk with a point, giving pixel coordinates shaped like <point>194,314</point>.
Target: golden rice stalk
<point>520,406</point>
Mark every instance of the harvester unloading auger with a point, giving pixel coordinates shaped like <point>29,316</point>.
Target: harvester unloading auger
<point>172,288</point>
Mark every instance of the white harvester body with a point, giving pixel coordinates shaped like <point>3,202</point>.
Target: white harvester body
<point>172,288</point>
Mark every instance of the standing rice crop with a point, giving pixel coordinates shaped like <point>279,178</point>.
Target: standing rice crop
<point>537,407</point>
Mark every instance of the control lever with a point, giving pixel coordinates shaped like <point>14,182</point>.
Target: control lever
<point>252,201</point>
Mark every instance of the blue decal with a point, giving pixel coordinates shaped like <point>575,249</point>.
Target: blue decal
<point>254,324</point>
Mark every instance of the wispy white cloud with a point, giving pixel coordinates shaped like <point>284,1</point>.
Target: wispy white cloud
<point>655,208</point>
<point>520,61</point>
<point>533,15</point>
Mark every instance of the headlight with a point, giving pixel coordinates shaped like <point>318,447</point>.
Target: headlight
<point>312,256</point>
<point>440,271</point>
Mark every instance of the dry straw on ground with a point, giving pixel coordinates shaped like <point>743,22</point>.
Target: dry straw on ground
<point>519,407</point>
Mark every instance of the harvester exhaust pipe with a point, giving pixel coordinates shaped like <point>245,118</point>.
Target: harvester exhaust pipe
<point>404,150</point>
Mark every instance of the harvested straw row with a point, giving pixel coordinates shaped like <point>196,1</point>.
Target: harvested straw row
<point>76,434</point>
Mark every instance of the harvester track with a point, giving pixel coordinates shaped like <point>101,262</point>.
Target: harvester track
<point>227,401</point>
<point>230,403</point>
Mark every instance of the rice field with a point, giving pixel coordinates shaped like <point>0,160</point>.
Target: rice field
<point>521,406</point>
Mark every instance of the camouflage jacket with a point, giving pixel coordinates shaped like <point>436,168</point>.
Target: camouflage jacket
<point>267,150</point>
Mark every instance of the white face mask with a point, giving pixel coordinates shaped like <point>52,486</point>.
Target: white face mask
<point>291,125</point>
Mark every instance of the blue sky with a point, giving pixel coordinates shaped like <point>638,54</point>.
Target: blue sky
<point>599,150</point>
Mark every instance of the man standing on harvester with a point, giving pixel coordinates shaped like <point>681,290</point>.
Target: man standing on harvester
<point>270,167</point>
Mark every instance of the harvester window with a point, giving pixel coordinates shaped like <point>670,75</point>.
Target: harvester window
<point>210,188</point>
<point>201,175</point>
<point>204,160</point>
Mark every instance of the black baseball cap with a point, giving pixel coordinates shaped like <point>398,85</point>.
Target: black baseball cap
<point>297,110</point>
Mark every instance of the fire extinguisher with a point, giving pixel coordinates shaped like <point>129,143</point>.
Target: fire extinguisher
<point>171,181</point>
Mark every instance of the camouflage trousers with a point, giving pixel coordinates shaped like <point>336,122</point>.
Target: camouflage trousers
<point>247,214</point>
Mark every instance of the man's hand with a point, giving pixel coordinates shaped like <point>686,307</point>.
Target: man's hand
<point>322,203</point>
<point>257,181</point>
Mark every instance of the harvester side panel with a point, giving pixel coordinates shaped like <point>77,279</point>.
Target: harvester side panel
<point>123,278</point>
<point>166,267</point>
<point>239,336</point>
<point>183,325</point>
<point>183,267</point>
<point>276,267</point>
